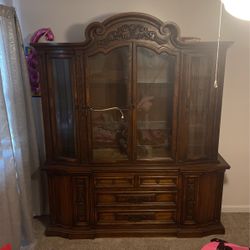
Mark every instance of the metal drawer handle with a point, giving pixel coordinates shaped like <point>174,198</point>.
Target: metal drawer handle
<point>142,217</point>
<point>136,199</point>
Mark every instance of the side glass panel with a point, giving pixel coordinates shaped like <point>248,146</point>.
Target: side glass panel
<point>155,84</point>
<point>65,123</point>
<point>199,109</point>
<point>108,82</point>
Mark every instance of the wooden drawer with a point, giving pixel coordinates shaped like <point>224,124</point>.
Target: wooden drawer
<point>158,181</point>
<point>163,198</point>
<point>136,217</point>
<point>114,181</point>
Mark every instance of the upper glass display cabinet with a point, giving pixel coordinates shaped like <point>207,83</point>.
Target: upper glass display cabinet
<point>134,91</point>
<point>121,106</point>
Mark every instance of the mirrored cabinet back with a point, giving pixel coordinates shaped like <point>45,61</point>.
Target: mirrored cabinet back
<point>132,121</point>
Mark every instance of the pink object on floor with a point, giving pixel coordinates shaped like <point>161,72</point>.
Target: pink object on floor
<point>6,247</point>
<point>217,244</point>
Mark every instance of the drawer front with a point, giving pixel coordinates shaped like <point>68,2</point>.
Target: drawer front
<point>158,181</point>
<point>136,198</point>
<point>137,217</point>
<point>114,181</point>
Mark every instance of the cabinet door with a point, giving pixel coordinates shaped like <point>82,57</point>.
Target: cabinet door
<point>63,102</point>
<point>198,109</point>
<point>155,82</point>
<point>108,83</point>
<point>202,194</point>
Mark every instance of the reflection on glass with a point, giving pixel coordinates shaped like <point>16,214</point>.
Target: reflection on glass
<point>64,107</point>
<point>108,83</point>
<point>110,136</point>
<point>155,81</point>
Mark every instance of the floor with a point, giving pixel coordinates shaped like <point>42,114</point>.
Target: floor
<point>237,231</point>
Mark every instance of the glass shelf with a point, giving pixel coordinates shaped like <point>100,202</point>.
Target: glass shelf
<point>154,84</point>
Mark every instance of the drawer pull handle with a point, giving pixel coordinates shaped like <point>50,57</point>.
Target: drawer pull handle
<point>135,199</point>
<point>134,217</point>
<point>140,217</point>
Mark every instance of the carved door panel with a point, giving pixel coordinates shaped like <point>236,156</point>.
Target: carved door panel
<point>190,199</point>
<point>202,194</point>
<point>81,200</point>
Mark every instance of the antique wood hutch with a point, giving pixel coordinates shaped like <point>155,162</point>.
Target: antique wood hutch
<point>132,125</point>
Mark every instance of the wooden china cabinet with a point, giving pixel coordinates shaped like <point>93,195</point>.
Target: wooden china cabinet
<point>132,123</point>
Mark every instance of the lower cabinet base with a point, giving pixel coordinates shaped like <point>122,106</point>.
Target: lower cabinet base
<point>81,233</point>
<point>181,201</point>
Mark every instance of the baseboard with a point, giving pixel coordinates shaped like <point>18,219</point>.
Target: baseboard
<point>236,209</point>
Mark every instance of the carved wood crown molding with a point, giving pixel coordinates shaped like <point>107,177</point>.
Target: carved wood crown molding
<point>132,32</point>
<point>133,26</point>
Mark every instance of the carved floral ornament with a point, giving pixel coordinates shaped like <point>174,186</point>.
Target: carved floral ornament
<point>134,32</point>
<point>161,33</point>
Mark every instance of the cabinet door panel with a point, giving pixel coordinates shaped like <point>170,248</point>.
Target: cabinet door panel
<point>62,103</point>
<point>60,199</point>
<point>109,99</point>
<point>198,104</point>
<point>155,91</point>
<point>198,107</point>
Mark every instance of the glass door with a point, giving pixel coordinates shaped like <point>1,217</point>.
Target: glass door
<point>108,83</point>
<point>154,104</point>
<point>61,80</point>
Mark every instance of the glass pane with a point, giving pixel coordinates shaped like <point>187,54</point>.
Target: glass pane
<point>109,81</point>
<point>198,109</point>
<point>155,82</point>
<point>64,107</point>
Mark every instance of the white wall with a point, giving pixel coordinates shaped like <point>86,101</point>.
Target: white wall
<point>6,2</point>
<point>197,18</point>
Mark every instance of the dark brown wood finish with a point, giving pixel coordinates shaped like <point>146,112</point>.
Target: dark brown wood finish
<point>57,135</point>
<point>178,195</point>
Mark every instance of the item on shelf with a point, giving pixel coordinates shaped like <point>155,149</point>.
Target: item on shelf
<point>122,138</point>
<point>145,103</point>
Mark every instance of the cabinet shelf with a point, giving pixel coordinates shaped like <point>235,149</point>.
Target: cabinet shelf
<point>152,125</point>
<point>154,83</point>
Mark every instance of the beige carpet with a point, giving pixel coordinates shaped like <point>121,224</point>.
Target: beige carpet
<point>237,230</point>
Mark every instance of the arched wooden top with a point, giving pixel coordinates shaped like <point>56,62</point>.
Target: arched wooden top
<point>133,26</point>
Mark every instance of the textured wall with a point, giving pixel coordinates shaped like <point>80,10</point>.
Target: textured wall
<point>198,18</point>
